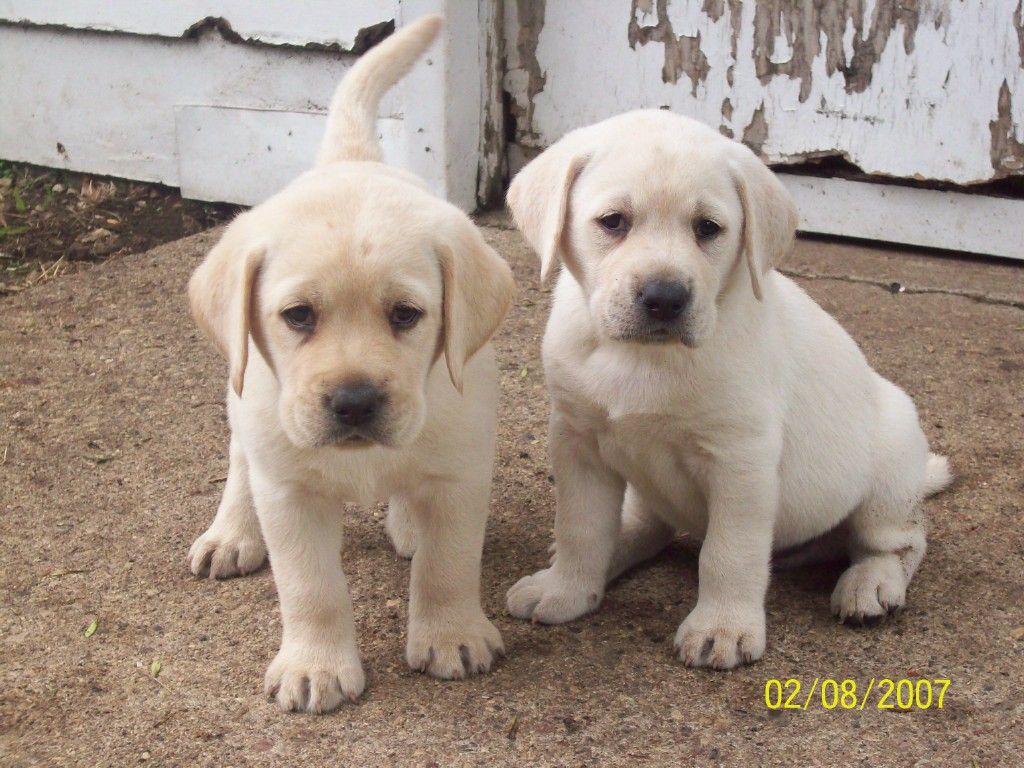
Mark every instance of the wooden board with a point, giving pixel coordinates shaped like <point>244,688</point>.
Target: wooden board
<point>267,150</point>
<point>993,226</point>
<point>275,22</point>
<point>914,90</point>
<point>107,88</point>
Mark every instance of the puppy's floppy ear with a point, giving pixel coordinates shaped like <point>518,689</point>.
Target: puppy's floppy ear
<point>478,291</point>
<point>770,217</point>
<point>221,294</point>
<point>539,199</point>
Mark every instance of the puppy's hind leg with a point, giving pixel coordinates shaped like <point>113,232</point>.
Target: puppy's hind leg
<point>233,544</point>
<point>887,531</point>
<point>643,535</point>
<point>887,543</point>
<point>400,528</point>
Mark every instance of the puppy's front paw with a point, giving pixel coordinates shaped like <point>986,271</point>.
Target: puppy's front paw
<point>548,598</point>
<point>223,552</point>
<point>452,649</point>
<point>304,679</point>
<point>870,589</point>
<point>721,639</point>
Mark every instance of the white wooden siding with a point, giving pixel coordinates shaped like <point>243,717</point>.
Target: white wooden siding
<point>269,148</point>
<point>109,108</point>
<point>124,88</point>
<point>993,226</point>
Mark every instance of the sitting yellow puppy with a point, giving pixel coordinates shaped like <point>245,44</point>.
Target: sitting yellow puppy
<point>334,303</point>
<point>694,388</point>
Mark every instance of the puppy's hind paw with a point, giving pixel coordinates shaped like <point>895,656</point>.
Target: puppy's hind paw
<point>221,553</point>
<point>869,590</point>
<point>547,598</point>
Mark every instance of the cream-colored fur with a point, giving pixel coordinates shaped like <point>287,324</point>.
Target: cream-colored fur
<point>752,422</point>
<point>358,245</point>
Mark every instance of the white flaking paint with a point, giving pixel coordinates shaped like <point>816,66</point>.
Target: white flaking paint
<point>687,19</point>
<point>925,114</point>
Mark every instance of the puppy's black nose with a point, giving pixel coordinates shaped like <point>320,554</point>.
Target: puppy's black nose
<point>355,405</point>
<point>664,300</point>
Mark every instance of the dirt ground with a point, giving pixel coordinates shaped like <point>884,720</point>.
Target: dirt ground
<point>112,457</point>
<point>52,222</point>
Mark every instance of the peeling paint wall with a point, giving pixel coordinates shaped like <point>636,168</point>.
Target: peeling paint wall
<point>1007,150</point>
<point>524,20</point>
<point>913,89</point>
<point>491,168</point>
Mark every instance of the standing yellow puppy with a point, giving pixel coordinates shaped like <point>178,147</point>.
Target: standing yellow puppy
<point>355,309</point>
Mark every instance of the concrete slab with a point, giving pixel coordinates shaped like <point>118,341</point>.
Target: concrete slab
<point>113,450</point>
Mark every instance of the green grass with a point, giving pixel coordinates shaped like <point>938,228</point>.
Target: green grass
<point>13,230</point>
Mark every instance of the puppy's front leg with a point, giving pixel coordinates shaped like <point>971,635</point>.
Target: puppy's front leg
<point>727,626</point>
<point>318,664</point>
<point>232,545</point>
<point>449,635</point>
<point>588,518</point>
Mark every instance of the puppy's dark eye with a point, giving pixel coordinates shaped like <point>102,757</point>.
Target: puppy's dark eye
<point>405,316</point>
<point>301,317</point>
<point>706,229</point>
<point>614,223</point>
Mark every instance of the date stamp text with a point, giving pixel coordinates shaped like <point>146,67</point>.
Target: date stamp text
<point>877,693</point>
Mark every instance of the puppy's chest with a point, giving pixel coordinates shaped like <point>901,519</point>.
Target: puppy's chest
<point>352,475</point>
<point>645,425</point>
<point>652,449</point>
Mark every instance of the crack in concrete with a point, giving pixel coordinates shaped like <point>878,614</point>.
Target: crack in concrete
<point>896,287</point>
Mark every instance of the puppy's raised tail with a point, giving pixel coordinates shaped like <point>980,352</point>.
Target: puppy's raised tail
<point>937,475</point>
<point>352,121</point>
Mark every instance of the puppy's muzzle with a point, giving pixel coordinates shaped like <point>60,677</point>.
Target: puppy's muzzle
<point>660,311</point>
<point>664,301</point>
<point>358,411</point>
